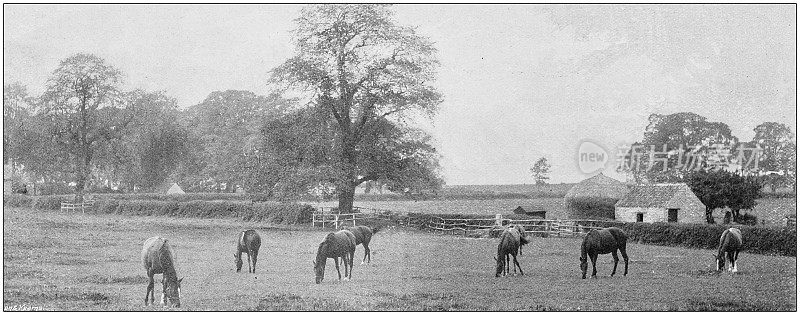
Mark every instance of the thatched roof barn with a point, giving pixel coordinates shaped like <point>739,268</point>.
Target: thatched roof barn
<point>594,197</point>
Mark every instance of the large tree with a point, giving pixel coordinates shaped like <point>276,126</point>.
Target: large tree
<point>83,108</point>
<point>228,123</point>
<point>719,189</point>
<point>18,107</point>
<point>675,145</point>
<point>358,64</point>
<point>151,148</point>
<point>779,153</point>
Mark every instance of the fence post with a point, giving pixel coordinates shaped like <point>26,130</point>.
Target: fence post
<point>498,219</point>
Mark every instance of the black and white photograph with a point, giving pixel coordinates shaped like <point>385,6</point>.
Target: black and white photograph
<point>402,157</point>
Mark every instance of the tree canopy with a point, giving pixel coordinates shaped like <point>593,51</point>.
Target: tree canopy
<point>360,66</point>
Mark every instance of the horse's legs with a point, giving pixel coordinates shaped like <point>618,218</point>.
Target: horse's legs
<point>507,262</point>
<point>594,265</point>
<point>255,259</point>
<point>616,260</point>
<point>517,265</point>
<point>352,257</point>
<point>366,253</point>
<point>336,261</point>
<point>150,287</point>
<point>735,259</point>
<point>249,264</point>
<point>625,257</point>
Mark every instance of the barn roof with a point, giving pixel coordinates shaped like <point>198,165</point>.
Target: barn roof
<point>652,196</point>
<point>598,186</point>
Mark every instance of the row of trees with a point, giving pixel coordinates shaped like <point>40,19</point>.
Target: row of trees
<point>356,79</point>
<point>721,170</point>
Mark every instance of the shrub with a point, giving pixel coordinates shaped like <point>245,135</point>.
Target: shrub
<point>105,206</point>
<point>748,219</point>
<point>147,207</point>
<point>16,200</point>
<point>756,239</point>
<point>52,202</point>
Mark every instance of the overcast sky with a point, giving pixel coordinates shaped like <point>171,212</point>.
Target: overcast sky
<point>519,82</point>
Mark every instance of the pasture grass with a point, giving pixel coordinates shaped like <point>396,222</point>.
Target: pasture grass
<point>410,271</point>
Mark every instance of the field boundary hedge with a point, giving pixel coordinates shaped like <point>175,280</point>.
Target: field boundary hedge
<point>770,240</point>
<point>271,211</point>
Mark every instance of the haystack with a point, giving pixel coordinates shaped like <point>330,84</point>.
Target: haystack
<point>594,197</point>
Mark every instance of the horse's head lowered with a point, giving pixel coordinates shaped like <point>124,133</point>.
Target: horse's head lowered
<point>720,261</point>
<point>501,263</point>
<point>172,292</point>
<point>319,272</point>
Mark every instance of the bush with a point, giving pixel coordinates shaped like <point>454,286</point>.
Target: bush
<point>17,200</point>
<point>105,206</point>
<point>759,240</point>
<point>147,207</point>
<point>275,212</point>
<point>52,202</point>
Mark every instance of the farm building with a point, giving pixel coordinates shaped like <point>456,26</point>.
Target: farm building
<point>661,203</point>
<point>594,197</point>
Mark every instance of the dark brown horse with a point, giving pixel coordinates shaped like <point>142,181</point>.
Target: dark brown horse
<point>159,257</point>
<point>363,236</point>
<point>248,242</point>
<point>730,243</point>
<point>509,245</point>
<point>605,241</point>
<point>339,244</point>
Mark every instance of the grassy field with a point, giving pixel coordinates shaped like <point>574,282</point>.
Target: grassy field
<point>82,262</point>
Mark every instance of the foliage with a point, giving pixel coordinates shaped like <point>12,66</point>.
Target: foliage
<point>355,63</point>
<point>779,154</point>
<point>52,202</point>
<point>81,110</point>
<point>274,212</point>
<point>756,239</point>
<point>591,208</point>
<point>540,170</point>
<point>719,189</point>
<point>681,143</point>
<point>226,125</point>
<point>16,200</point>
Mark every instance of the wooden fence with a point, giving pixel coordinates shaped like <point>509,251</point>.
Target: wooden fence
<point>73,207</point>
<point>335,219</point>
<point>537,227</point>
<point>473,226</point>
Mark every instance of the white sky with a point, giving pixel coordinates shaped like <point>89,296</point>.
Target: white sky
<point>520,82</point>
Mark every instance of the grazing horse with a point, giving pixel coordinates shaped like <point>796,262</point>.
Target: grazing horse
<point>158,257</point>
<point>339,244</point>
<point>509,245</point>
<point>248,242</point>
<point>730,243</point>
<point>522,239</point>
<point>604,241</point>
<point>363,235</point>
